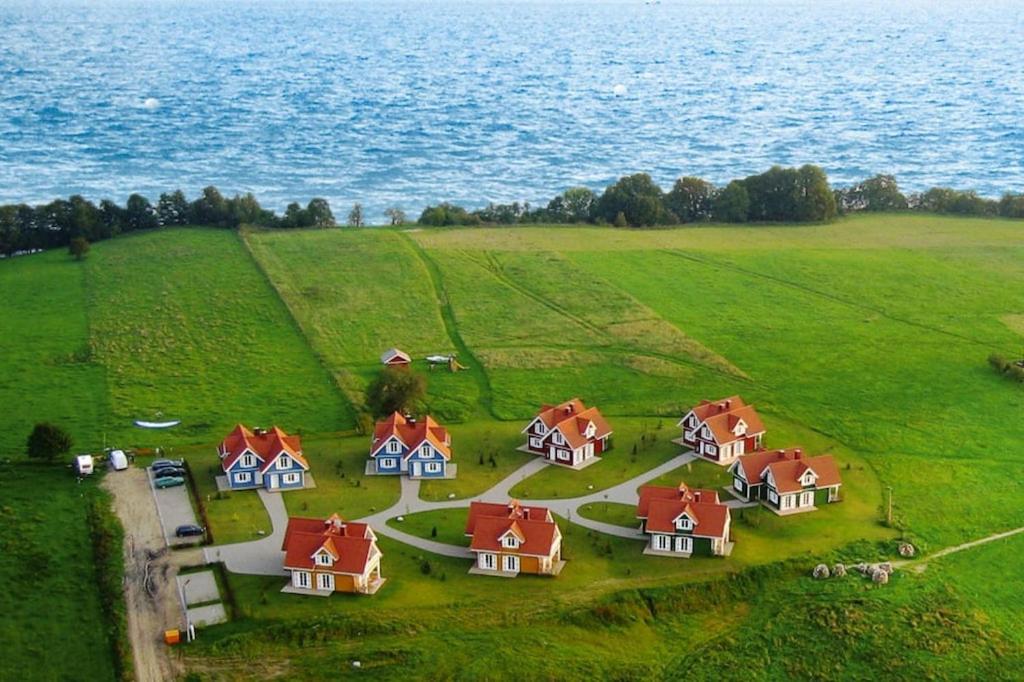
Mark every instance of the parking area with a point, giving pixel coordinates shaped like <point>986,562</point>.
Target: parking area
<point>174,509</point>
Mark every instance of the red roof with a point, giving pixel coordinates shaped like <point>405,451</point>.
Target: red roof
<point>267,445</point>
<point>536,538</point>
<point>681,493</point>
<point>723,415</point>
<point>787,467</point>
<point>412,432</point>
<point>571,418</point>
<point>352,545</point>
<point>709,518</point>
<point>393,356</point>
<point>513,510</point>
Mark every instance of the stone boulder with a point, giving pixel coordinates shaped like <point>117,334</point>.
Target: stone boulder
<point>821,572</point>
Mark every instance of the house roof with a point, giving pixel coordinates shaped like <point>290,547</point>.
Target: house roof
<point>394,356</point>
<point>571,419</point>
<point>787,466</point>
<point>709,518</point>
<point>266,445</point>
<point>412,433</point>
<point>536,537</point>
<point>352,545</point>
<point>680,493</point>
<point>512,510</point>
<point>722,416</point>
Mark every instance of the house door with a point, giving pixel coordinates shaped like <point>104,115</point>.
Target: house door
<point>510,563</point>
<point>684,545</point>
<point>273,482</point>
<point>417,468</point>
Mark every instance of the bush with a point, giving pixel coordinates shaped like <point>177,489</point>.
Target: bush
<point>107,539</point>
<point>48,441</point>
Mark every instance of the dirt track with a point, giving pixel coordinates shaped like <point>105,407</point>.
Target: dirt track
<point>156,607</point>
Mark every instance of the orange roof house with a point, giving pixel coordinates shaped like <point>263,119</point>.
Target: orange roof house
<point>722,430</point>
<point>682,521</point>
<point>786,481</point>
<point>570,434</point>
<point>420,448</point>
<point>509,539</point>
<point>260,458</point>
<point>331,555</point>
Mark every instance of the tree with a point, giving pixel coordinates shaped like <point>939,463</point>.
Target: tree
<point>447,214</point>
<point>639,200</point>
<point>574,205</point>
<point>690,199</point>
<point>395,390</point>
<point>172,208</point>
<point>48,441</point>
<point>880,193</point>
<point>731,204</point>
<point>78,247</point>
<point>355,216</point>
<point>139,214</point>
<point>814,199</point>
<point>318,213</point>
<point>395,215</point>
<point>211,208</point>
<point>1012,206</point>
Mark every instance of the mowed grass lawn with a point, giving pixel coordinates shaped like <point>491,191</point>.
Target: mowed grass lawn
<point>48,370</point>
<point>49,598</point>
<point>187,328</point>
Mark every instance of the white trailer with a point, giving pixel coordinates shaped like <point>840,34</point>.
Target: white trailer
<point>83,465</point>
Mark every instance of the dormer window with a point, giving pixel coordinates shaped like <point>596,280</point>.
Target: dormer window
<point>394,447</point>
<point>248,461</point>
<point>324,559</point>
<point>426,451</point>
<point>284,462</point>
<point>510,541</point>
<point>684,523</point>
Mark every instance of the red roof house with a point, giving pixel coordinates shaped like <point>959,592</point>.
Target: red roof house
<point>260,458</point>
<point>331,555</point>
<point>420,448</point>
<point>393,357</point>
<point>570,434</point>
<point>509,539</point>
<point>786,481</point>
<point>722,430</point>
<point>682,521</point>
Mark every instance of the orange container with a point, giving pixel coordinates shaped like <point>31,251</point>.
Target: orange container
<point>172,637</point>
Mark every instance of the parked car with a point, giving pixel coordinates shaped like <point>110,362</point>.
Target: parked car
<point>188,531</point>
<point>168,481</point>
<point>167,471</point>
<point>158,463</point>
<point>118,460</point>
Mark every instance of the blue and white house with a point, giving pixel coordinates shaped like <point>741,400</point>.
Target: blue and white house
<point>271,460</point>
<point>404,445</point>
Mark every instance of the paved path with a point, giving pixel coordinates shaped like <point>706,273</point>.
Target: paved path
<point>257,557</point>
<point>263,557</point>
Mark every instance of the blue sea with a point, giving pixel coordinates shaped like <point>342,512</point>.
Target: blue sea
<point>401,103</point>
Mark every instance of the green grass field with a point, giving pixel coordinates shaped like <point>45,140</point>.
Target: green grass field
<point>866,338</point>
<point>46,565</point>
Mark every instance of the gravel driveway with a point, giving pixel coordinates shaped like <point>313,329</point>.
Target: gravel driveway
<point>174,509</point>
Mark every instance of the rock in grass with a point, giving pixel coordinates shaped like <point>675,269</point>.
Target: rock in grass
<point>821,572</point>
<point>862,569</point>
<point>839,570</point>
<point>906,550</point>
<point>879,576</point>
<point>886,566</point>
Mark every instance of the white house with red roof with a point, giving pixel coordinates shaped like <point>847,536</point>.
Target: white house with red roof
<point>682,521</point>
<point>324,556</point>
<point>269,459</point>
<point>509,539</point>
<point>570,434</point>
<point>394,357</point>
<point>419,448</point>
<point>786,481</point>
<point>722,430</point>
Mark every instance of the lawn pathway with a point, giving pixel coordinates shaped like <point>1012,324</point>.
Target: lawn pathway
<point>256,557</point>
<point>918,565</point>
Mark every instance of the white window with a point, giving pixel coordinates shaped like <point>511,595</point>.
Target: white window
<point>510,541</point>
<point>302,579</point>
<point>539,428</point>
<point>511,563</point>
<point>684,523</point>
<point>787,501</point>
<point>387,463</point>
<point>737,485</point>
<point>684,545</point>
<point>563,455</point>
<point>433,467</point>
<point>284,462</point>
<point>534,442</point>
<point>325,581</point>
<point>773,497</point>
<point>427,452</point>
<point>248,461</point>
<point>556,438</point>
<point>726,450</point>
<point>487,561</point>
<point>738,448</point>
<point>711,449</point>
<point>243,477</point>
<point>394,447</point>
<point>324,559</point>
<point>291,478</point>
<point>662,542</point>
<point>806,499</point>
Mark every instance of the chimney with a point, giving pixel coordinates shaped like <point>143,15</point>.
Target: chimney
<point>797,453</point>
<point>728,404</point>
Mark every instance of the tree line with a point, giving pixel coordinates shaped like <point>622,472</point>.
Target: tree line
<point>790,195</point>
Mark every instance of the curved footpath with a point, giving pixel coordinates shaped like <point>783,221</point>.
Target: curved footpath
<point>263,556</point>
